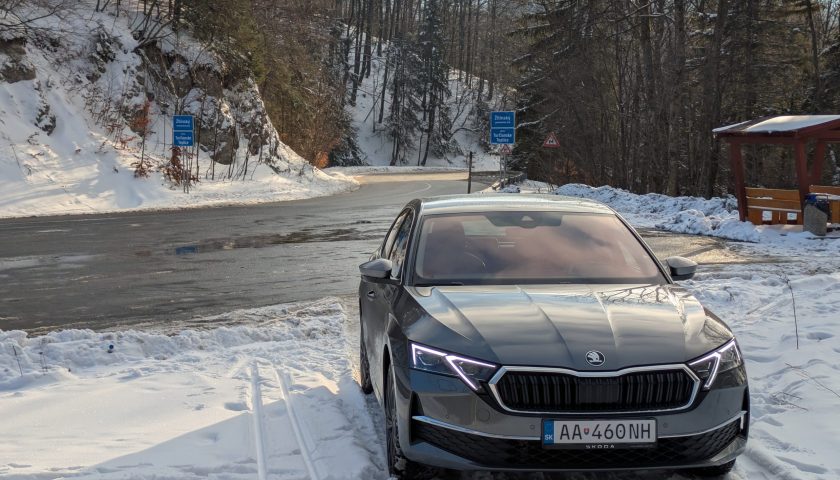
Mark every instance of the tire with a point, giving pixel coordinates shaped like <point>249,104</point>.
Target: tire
<point>399,467</point>
<point>364,364</point>
<point>716,471</point>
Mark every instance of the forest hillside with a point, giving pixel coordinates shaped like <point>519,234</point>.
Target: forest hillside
<point>87,94</point>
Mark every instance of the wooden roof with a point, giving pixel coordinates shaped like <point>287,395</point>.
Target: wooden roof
<point>790,126</point>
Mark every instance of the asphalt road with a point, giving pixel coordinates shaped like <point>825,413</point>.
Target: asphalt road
<point>167,268</point>
<point>100,271</point>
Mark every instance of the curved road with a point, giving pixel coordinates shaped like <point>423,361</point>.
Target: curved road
<point>166,268</point>
<point>102,271</point>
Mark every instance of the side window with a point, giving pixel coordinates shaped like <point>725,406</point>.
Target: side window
<point>398,253</point>
<point>392,234</point>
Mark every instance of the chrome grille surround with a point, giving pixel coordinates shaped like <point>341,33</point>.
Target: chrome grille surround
<point>492,384</point>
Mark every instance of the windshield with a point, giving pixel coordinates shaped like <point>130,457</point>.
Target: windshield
<point>530,247</point>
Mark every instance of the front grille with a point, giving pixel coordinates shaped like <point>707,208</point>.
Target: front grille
<point>526,391</point>
<point>501,453</point>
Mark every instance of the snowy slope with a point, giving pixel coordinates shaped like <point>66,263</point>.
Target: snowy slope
<point>66,146</point>
<point>376,145</point>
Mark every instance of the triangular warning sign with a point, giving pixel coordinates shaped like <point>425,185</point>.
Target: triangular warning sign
<point>551,141</point>
<point>505,150</point>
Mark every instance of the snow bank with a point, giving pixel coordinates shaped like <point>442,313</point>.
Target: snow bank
<point>694,215</point>
<point>385,169</point>
<point>717,217</point>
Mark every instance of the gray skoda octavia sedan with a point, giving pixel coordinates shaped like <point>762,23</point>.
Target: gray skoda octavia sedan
<point>540,333</point>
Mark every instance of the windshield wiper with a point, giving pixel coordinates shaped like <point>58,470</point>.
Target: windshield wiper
<point>439,284</point>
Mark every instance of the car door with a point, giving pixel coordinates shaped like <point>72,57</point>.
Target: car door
<point>375,298</point>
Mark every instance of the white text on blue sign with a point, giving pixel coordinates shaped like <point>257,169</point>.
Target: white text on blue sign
<point>183,139</point>
<point>182,123</point>
<point>502,119</point>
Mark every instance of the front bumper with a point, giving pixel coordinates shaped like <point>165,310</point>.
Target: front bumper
<point>445,424</point>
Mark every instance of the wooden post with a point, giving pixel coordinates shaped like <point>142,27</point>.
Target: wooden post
<point>816,169</point>
<point>802,171</point>
<point>738,172</point>
<point>469,175</point>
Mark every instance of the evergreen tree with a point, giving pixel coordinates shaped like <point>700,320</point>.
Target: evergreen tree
<point>434,76</point>
<point>406,91</point>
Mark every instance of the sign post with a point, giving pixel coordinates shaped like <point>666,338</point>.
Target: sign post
<point>469,175</point>
<point>503,132</point>
<point>183,129</point>
<point>502,128</point>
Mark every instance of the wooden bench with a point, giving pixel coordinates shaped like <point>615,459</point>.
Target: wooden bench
<point>834,201</point>
<point>779,204</point>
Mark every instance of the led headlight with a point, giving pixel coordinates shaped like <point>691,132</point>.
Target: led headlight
<point>721,360</point>
<point>470,371</point>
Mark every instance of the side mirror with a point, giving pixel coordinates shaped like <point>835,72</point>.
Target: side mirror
<point>681,268</point>
<point>377,271</point>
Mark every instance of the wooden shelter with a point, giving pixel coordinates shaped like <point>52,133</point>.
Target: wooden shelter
<point>796,131</point>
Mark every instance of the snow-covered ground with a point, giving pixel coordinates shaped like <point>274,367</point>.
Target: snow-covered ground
<point>81,186</point>
<point>385,169</point>
<point>717,217</point>
<point>275,398</point>
<point>271,392</point>
<point>794,390</point>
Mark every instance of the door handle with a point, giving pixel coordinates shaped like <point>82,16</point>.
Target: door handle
<point>371,294</point>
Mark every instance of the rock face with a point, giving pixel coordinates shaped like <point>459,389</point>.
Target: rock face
<point>227,107</point>
<point>129,90</point>
<point>14,66</point>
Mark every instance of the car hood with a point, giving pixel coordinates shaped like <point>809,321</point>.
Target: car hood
<point>556,325</point>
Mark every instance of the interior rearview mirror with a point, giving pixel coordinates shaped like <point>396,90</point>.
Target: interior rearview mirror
<point>681,268</point>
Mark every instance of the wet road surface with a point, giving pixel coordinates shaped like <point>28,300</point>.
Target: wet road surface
<point>159,268</point>
<point>101,271</point>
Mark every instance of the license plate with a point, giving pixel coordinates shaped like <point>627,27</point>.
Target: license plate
<point>599,434</point>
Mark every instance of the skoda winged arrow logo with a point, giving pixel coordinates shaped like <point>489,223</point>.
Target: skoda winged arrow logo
<point>595,358</point>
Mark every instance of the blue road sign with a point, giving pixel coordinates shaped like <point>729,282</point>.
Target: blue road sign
<point>502,128</point>
<point>502,119</point>
<point>502,136</point>
<point>183,139</point>
<point>182,123</point>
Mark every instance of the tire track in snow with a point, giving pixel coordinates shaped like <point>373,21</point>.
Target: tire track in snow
<point>257,415</point>
<point>772,467</point>
<point>303,439</point>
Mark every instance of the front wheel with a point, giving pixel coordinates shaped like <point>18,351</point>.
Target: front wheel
<point>399,467</point>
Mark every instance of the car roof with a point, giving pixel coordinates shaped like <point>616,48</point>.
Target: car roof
<point>487,202</point>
